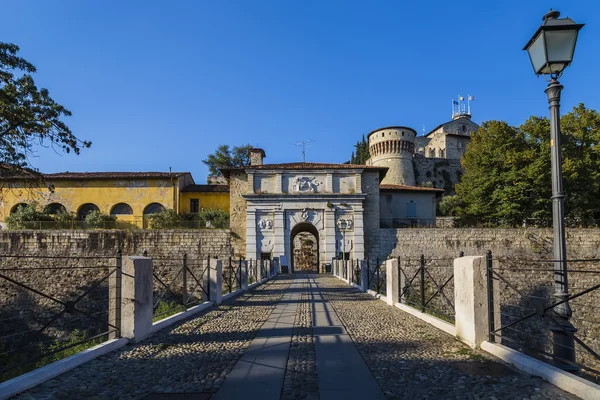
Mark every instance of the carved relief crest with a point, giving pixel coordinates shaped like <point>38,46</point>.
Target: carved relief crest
<point>305,184</point>
<point>265,224</point>
<point>345,223</point>
<point>305,214</point>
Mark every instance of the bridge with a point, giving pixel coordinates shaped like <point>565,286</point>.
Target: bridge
<point>297,336</point>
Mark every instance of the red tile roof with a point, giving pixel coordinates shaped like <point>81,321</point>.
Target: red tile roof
<point>410,188</point>
<point>114,175</point>
<point>206,189</point>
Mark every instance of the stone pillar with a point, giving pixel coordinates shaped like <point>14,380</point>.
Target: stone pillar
<point>329,229</point>
<point>250,182</point>
<point>349,270</point>
<point>216,281</point>
<point>470,299</point>
<point>329,182</point>
<point>251,249</point>
<point>358,182</point>
<point>393,281</point>
<point>278,182</point>
<point>364,276</point>
<point>244,272</point>
<point>359,235</point>
<point>278,234</point>
<point>136,305</point>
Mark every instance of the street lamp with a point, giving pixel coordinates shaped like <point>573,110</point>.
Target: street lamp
<point>551,50</point>
<point>342,226</point>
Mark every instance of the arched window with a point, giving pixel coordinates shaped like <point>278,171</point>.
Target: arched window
<point>121,209</point>
<point>55,208</point>
<point>17,206</point>
<point>153,208</point>
<point>85,209</point>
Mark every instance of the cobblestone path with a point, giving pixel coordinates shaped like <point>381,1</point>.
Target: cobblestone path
<point>407,358</point>
<point>413,360</point>
<point>192,357</point>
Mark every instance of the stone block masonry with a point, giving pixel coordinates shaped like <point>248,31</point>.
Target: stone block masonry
<point>158,243</point>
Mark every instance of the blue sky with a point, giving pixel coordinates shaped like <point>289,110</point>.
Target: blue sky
<point>159,84</point>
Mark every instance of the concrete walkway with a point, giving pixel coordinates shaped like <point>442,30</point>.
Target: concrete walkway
<point>342,373</point>
<point>259,373</point>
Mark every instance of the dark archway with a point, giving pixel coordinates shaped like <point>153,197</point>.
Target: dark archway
<point>86,209</point>
<point>55,208</point>
<point>310,230</point>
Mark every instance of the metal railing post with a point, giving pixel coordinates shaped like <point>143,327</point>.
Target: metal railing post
<point>115,295</point>
<point>185,271</point>
<point>378,267</point>
<point>490,295</point>
<point>400,286</point>
<point>207,272</point>
<point>422,283</point>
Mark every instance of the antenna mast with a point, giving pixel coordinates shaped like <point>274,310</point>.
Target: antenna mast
<point>304,143</point>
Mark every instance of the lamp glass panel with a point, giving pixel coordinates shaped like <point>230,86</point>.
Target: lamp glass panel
<point>561,45</point>
<point>537,53</point>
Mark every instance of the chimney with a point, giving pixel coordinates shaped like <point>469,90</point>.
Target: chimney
<point>256,156</point>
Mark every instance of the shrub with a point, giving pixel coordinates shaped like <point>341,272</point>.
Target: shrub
<point>214,218</point>
<point>27,217</point>
<point>98,220</point>
<point>167,219</point>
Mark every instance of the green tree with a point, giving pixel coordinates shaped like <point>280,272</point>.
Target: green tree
<point>507,177</point>
<point>224,157</point>
<point>28,115</point>
<point>361,154</point>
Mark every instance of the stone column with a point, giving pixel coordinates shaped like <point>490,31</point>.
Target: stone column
<point>359,235</point>
<point>470,299</point>
<point>278,234</point>
<point>216,281</point>
<point>393,281</point>
<point>136,306</point>
<point>251,248</point>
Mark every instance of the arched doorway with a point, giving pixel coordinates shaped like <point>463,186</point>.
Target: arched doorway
<point>304,242</point>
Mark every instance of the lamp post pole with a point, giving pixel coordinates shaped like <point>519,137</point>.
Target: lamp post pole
<point>551,50</point>
<point>563,330</point>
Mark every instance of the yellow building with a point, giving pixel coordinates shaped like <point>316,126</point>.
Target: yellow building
<point>127,195</point>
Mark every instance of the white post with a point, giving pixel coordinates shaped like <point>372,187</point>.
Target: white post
<point>136,305</point>
<point>392,281</point>
<point>349,272</point>
<point>216,281</point>
<point>364,276</point>
<point>244,273</point>
<point>470,299</point>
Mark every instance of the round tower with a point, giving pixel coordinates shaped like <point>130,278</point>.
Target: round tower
<point>393,147</point>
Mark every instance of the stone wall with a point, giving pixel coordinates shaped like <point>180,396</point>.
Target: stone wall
<point>238,186</point>
<point>527,282</point>
<point>72,243</point>
<point>73,267</point>
<point>442,173</point>
<point>370,186</point>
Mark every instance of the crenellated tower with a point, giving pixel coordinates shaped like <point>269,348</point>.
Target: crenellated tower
<point>393,147</point>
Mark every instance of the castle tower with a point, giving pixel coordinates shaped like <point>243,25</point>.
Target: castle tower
<point>393,147</point>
